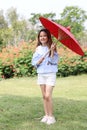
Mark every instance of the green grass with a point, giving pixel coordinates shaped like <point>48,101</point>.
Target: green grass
<point>21,106</point>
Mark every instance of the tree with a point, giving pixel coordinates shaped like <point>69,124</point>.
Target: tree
<point>12,16</point>
<point>3,22</point>
<point>74,17</point>
<point>3,26</point>
<point>35,17</point>
<point>19,25</point>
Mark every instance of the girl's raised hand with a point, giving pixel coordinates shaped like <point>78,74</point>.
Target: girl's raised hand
<point>53,46</point>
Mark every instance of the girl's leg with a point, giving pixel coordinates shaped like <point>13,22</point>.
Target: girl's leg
<point>43,90</point>
<point>51,118</point>
<point>48,97</point>
<point>48,106</point>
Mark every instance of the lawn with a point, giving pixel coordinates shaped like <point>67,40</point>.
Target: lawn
<point>21,106</point>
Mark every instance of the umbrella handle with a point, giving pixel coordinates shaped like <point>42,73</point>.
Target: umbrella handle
<point>41,60</point>
<point>47,53</point>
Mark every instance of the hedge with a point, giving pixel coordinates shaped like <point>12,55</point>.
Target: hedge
<point>21,66</point>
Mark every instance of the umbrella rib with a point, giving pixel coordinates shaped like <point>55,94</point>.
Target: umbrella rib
<point>63,38</point>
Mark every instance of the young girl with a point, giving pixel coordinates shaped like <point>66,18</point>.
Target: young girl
<point>45,59</point>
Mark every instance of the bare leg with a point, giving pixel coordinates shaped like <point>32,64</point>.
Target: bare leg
<point>47,99</point>
<point>43,90</point>
<point>48,96</point>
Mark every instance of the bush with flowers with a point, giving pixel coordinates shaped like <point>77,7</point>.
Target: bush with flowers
<point>72,66</point>
<point>16,61</point>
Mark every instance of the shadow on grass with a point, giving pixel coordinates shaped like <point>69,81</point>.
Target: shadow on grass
<point>24,113</point>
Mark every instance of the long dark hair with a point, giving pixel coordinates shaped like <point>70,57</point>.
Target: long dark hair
<point>49,43</point>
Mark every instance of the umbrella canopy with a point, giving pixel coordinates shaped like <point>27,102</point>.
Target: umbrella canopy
<point>63,34</point>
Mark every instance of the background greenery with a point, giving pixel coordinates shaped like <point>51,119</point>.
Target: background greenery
<point>18,64</point>
<point>18,41</point>
<point>14,28</point>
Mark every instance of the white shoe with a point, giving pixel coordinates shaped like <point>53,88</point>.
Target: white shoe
<point>44,119</point>
<point>51,120</point>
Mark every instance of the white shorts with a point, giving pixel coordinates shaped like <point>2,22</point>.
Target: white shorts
<point>48,79</point>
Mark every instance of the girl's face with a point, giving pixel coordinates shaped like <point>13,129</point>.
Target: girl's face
<point>43,38</point>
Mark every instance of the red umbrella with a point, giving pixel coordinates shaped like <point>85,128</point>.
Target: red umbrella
<point>63,35</point>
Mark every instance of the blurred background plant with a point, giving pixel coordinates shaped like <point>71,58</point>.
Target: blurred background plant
<point>18,42</point>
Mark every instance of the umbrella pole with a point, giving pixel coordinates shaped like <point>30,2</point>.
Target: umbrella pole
<point>47,53</point>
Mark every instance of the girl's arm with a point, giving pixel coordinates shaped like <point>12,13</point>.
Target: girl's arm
<point>40,60</point>
<point>37,59</point>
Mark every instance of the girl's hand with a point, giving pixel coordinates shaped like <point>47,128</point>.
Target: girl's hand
<point>53,47</point>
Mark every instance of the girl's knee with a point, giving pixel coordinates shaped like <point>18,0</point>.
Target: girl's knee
<point>47,97</point>
<point>44,97</point>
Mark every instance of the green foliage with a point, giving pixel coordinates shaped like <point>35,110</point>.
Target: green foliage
<point>3,22</point>
<point>22,66</point>
<point>12,15</point>
<point>1,44</point>
<point>7,71</point>
<point>1,66</point>
<point>14,28</point>
<point>74,17</point>
<point>74,66</point>
<point>31,35</point>
<point>35,17</point>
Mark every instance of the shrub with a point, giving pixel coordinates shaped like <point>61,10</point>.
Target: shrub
<point>7,71</point>
<point>23,66</point>
<point>72,66</point>
<point>16,61</point>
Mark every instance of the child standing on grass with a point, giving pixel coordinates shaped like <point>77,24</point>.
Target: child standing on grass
<point>45,59</point>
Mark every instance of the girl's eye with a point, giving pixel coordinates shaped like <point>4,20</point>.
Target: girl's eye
<point>43,36</point>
